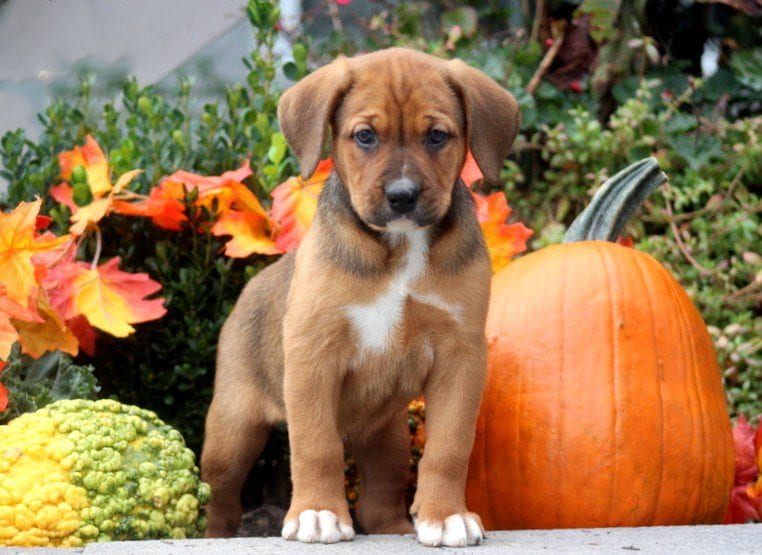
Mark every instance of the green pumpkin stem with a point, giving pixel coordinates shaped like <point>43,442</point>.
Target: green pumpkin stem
<point>615,202</point>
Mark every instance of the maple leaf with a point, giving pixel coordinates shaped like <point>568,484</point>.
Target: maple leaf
<point>93,161</point>
<point>745,504</point>
<point>164,204</point>
<point>295,203</point>
<point>250,234</point>
<point>18,244</point>
<point>36,338</point>
<point>8,333</point>
<point>470,172</point>
<point>91,158</point>
<point>503,240</point>
<point>101,205</point>
<point>64,194</point>
<point>109,298</point>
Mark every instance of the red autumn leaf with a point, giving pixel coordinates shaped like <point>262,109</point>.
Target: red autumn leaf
<point>64,194</point>
<point>744,505</point>
<point>84,332</point>
<point>295,203</point>
<point>163,206</point>
<point>503,240</point>
<point>746,463</point>
<point>470,172</point>
<point>3,394</point>
<point>109,298</point>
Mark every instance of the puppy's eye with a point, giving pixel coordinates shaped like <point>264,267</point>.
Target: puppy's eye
<point>436,138</point>
<point>366,138</point>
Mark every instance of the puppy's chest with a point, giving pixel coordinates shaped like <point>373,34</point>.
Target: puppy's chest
<point>406,311</point>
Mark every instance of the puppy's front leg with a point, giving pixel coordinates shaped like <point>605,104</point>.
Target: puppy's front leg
<point>319,511</point>
<point>453,393</point>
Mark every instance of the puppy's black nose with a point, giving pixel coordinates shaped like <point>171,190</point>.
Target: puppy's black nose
<point>402,195</point>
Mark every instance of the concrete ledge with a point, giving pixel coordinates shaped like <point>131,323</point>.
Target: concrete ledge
<point>730,539</point>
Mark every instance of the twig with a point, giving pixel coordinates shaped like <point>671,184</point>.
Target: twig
<point>662,218</point>
<point>333,11</point>
<point>558,30</point>
<point>673,226</point>
<point>752,290</point>
<point>98,245</point>
<point>537,21</point>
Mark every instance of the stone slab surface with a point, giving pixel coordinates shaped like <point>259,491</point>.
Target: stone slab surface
<point>667,539</point>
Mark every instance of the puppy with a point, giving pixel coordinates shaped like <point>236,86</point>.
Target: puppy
<point>385,299</point>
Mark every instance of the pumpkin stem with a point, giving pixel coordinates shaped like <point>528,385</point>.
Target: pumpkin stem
<point>615,202</point>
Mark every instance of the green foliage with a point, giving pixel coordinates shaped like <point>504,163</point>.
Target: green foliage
<point>704,226</point>
<point>34,383</point>
<point>168,365</point>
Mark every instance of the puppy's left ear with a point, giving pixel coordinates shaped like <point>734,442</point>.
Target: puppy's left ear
<point>492,117</point>
<point>304,111</point>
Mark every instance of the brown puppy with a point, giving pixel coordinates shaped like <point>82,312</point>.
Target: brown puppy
<point>386,298</point>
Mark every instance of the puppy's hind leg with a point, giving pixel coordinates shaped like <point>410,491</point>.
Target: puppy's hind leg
<point>383,461</point>
<point>235,435</point>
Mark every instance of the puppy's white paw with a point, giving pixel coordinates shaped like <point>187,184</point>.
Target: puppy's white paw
<point>458,530</point>
<point>317,526</point>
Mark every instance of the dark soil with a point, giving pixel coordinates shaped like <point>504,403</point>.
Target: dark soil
<point>263,521</point>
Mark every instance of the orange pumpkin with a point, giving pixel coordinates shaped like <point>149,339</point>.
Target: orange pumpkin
<point>603,404</point>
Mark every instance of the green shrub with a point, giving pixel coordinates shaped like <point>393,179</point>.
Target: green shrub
<point>568,145</point>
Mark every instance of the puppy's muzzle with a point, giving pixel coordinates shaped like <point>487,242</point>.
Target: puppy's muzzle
<point>402,195</point>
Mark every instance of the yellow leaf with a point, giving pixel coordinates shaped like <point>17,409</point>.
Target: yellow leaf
<point>18,244</point>
<point>52,334</point>
<point>91,157</point>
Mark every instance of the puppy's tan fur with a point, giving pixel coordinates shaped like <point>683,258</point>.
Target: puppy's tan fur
<point>292,351</point>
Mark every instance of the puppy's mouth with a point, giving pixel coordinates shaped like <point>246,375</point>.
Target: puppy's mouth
<point>384,220</point>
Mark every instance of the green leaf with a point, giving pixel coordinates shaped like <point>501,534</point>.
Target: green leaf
<point>278,148</point>
<point>291,71</point>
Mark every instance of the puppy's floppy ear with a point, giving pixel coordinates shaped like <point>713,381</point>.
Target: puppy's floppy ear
<point>492,116</point>
<point>305,109</point>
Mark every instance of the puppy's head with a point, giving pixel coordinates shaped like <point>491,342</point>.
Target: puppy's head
<point>401,123</point>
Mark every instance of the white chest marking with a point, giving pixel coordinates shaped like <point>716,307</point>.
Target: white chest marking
<point>375,322</point>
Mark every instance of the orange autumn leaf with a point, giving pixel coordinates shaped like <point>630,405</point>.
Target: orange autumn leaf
<point>250,234</point>
<point>36,338</point>
<point>295,203</point>
<point>100,206</point>
<point>104,195</point>
<point>503,240</point>
<point>8,333</point>
<point>18,244</point>
<point>109,298</point>
<point>91,158</point>
<point>164,204</point>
